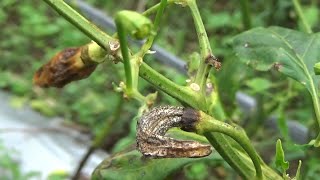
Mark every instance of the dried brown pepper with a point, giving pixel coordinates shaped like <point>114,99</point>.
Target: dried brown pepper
<point>151,139</point>
<point>66,66</point>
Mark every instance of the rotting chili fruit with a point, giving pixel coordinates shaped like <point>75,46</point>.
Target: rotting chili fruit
<point>65,67</point>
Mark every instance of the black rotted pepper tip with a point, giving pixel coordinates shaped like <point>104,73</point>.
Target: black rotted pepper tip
<point>189,119</point>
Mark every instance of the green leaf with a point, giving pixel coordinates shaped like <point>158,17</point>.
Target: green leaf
<point>311,14</point>
<point>259,84</point>
<point>132,165</point>
<point>292,53</point>
<point>280,161</point>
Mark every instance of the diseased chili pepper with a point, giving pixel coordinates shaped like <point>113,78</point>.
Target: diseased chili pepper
<point>66,66</point>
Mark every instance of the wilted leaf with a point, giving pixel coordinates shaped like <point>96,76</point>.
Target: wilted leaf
<point>133,165</point>
<point>290,52</point>
<point>280,161</point>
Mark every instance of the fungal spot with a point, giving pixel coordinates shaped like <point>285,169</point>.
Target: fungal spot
<point>114,45</point>
<point>195,87</point>
<point>209,85</point>
<point>277,66</point>
<point>209,88</point>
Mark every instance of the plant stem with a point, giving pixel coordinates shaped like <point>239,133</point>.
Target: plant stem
<point>208,124</point>
<point>315,100</point>
<point>298,9</point>
<point>125,54</point>
<point>81,23</point>
<point>147,45</point>
<point>205,49</point>
<point>220,142</point>
<point>154,8</point>
<point>246,14</point>
<point>181,93</point>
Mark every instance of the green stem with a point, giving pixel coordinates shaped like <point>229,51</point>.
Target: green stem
<point>205,49</point>
<point>182,94</point>
<point>125,54</point>
<point>146,46</point>
<point>315,100</point>
<point>218,141</point>
<point>81,23</point>
<point>298,9</point>
<point>246,14</point>
<point>208,124</point>
<point>154,8</point>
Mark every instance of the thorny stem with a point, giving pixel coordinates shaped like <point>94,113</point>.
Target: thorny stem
<point>208,124</point>
<point>147,45</point>
<point>298,9</point>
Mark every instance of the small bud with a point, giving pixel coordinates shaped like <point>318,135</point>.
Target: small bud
<point>136,24</point>
<point>316,68</point>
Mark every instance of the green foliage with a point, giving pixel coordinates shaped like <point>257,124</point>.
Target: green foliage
<point>32,34</point>
<point>280,160</point>
<point>290,52</point>
<point>259,85</point>
<point>132,165</point>
<point>287,51</point>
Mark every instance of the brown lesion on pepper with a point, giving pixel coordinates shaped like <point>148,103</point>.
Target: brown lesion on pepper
<point>213,61</point>
<point>153,125</point>
<point>65,67</point>
<point>189,119</point>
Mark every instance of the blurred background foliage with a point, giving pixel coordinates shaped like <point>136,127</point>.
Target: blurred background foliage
<point>31,33</point>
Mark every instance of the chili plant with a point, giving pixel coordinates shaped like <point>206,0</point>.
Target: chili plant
<point>290,52</point>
